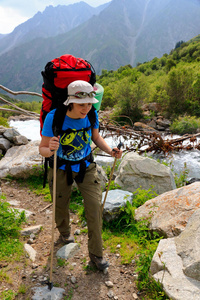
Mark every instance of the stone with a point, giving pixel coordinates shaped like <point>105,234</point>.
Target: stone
<point>109,284</point>
<point>142,127</point>
<point>30,251</point>
<point>169,213</point>
<point>28,213</point>
<point>136,171</point>
<point>163,123</point>
<point>44,293</point>
<point>30,230</point>
<point>110,294</point>
<point>73,280</point>
<point>20,140</point>
<point>19,160</point>
<point>10,133</point>
<point>114,201</point>
<point>188,247</point>
<point>167,268</point>
<point>4,144</point>
<point>68,251</point>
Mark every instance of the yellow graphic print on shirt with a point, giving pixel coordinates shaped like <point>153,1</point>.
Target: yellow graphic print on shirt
<point>73,144</point>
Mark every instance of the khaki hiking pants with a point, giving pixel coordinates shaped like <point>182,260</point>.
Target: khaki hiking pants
<point>91,191</point>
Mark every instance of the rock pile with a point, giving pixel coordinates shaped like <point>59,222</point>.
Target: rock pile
<point>10,137</point>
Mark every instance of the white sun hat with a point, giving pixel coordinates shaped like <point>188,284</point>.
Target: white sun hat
<point>80,91</point>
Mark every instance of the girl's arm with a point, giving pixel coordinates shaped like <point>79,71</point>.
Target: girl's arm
<point>101,143</point>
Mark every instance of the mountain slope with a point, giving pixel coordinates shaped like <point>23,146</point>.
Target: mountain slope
<point>124,32</point>
<point>51,22</point>
<point>175,22</point>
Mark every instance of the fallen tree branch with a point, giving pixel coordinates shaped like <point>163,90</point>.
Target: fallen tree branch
<point>20,92</point>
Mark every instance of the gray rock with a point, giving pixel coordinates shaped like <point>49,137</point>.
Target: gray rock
<point>31,230</point>
<point>31,252</point>
<point>20,140</point>
<point>109,284</point>
<point>2,129</point>
<point>44,293</point>
<point>136,172</point>
<point>19,160</point>
<point>167,268</point>
<point>114,201</point>
<point>4,144</point>
<point>10,133</point>
<point>28,213</point>
<point>73,280</point>
<point>68,251</point>
<point>188,247</point>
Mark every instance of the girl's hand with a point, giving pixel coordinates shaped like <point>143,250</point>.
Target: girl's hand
<point>54,143</point>
<point>117,153</point>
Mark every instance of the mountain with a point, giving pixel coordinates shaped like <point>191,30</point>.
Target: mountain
<point>122,32</point>
<point>51,22</point>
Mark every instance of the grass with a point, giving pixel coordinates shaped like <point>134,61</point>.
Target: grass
<point>8,295</point>
<point>11,249</point>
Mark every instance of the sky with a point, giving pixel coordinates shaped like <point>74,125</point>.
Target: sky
<point>15,12</point>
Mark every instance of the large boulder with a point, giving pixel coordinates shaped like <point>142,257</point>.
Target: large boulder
<point>167,268</point>
<point>19,160</point>
<point>169,213</point>
<point>176,262</point>
<point>136,172</point>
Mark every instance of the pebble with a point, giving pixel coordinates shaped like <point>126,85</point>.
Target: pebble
<point>74,264</point>
<point>77,232</point>
<point>109,284</point>
<point>30,242</point>
<point>105,271</point>
<point>34,266</point>
<point>118,246</point>
<point>73,280</point>
<point>135,296</point>
<point>110,294</point>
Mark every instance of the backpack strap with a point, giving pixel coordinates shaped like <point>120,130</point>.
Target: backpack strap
<point>67,163</point>
<point>57,127</point>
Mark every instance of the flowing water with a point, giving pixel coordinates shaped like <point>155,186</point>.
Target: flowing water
<point>178,161</point>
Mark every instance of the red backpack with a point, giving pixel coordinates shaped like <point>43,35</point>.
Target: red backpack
<point>57,75</point>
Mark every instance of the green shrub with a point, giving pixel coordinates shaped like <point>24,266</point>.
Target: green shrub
<point>10,222</point>
<point>4,122</point>
<point>185,125</point>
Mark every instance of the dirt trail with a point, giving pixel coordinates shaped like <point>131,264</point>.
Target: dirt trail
<point>90,284</point>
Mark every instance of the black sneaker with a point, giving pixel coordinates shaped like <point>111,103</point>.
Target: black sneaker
<point>100,263</point>
<point>67,239</point>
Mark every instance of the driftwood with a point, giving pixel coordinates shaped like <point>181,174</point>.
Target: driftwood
<point>148,141</point>
<point>20,92</point>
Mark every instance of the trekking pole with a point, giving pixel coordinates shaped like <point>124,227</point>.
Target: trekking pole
<point>111,175</point>
<point>50,284</point>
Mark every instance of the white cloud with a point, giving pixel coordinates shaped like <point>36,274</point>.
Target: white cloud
<point>9,19</point>
<point>13,13</point>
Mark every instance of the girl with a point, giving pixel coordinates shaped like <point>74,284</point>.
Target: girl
<point>75,162</point>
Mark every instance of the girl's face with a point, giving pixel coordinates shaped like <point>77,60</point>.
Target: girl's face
<point>79,111</point>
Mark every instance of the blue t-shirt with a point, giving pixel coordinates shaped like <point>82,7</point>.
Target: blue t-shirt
<point>74,145</point>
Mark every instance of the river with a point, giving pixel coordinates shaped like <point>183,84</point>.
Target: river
<point>31,129</point>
